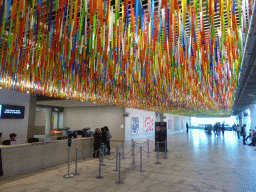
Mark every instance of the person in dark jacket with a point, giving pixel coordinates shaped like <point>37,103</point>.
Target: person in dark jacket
<point>104,137</point>
<point>243,133</point>
<point>108,135</point>
<point>97,143</point>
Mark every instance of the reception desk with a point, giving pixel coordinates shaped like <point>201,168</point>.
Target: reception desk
<point>18,159</point>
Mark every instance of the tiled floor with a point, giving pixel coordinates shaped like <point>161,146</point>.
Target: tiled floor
<point>196,162</point>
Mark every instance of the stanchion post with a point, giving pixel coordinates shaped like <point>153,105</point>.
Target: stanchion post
<point>99,176</point>
<point>117,153</point>
<point>158,154</point>
<point>76,162</point>
<point>119,175</point>
<point>103,152</point>
<point>141,159</point>
<point>148,147</point>
<point>165,150</point>
<point>133,153</point>
<point>69,152</point>
<point>123,149</point>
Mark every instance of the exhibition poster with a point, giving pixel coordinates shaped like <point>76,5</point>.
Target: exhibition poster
<point>148,125</point>
<point>135,125</point>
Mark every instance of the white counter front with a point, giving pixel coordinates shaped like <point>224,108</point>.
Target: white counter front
<point>34,156</point>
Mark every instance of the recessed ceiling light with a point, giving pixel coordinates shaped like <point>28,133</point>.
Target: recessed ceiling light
<point>94,102</point>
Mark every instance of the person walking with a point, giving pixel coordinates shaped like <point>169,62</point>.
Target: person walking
<point>243,133</point>
<point>238,129</point>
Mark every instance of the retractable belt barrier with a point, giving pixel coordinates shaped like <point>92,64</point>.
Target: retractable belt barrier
<point>119,155</point>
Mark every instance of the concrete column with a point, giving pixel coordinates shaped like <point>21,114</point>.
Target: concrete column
<point>240,116</point>
<point>245,119</point>
<point>253,116</point>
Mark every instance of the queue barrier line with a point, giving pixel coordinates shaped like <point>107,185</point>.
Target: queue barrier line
<point>140,143</point>
<point>139,146</point>
<point>119,154</point>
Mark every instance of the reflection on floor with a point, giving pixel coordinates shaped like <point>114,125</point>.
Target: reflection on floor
<point>197,161</point>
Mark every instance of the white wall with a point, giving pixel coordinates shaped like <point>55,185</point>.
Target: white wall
<point>78,118</point>
<point>177,122</point>
<point>18,126</point>
<point>253,116</point>
<point>128,124</point>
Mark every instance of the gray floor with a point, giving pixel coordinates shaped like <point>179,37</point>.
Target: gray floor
<point>196,162</point>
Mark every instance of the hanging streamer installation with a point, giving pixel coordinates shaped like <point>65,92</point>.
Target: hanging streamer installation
<point>161,58</point>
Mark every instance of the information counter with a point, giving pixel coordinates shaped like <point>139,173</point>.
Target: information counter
<point>18,159</point>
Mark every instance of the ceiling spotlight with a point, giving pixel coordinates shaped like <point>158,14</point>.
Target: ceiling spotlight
<point>27,92</point>
<point>94,102</point>
<point>0,87</point>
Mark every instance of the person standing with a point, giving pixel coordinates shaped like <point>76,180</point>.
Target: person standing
<point>187,127</point>
<point>97,143</point>
<point>104,138</point>
<point>13,137</point>
<point>238,129</point>
<point>243,133</point>
<point>108,135</point>
<point>223,128</point>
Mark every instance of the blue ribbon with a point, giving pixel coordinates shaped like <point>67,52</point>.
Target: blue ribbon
<point>50,17</point>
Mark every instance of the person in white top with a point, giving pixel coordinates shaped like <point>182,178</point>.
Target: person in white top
<point>238,130</point>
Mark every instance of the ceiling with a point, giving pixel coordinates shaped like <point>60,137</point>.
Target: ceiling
<point>246,92</point>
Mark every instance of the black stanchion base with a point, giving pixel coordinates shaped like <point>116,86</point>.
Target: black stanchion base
<point>158,163</point>
<point>165,157</point>
<point>68,176</point>
<point>142,171</point>
<point>99,177</point>
<point>119,182</point>
<point>76,174</point>
<point>103,165</point>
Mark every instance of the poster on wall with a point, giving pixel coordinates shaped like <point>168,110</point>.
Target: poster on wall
<point>148,125</point>
<point>135,125</point>
<point>169,124</point>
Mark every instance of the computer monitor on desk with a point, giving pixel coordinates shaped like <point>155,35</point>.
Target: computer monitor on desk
<point>15,142</point>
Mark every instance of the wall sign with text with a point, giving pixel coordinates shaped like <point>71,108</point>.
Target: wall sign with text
<point>12,112</point>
